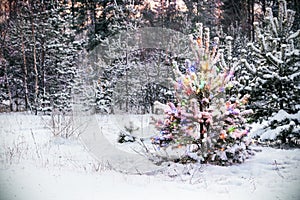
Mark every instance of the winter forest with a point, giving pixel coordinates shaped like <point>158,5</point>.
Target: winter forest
<point>189,98</point>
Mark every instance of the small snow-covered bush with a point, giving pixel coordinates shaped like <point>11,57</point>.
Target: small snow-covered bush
<point>282,129</point>
<point>125,137</point>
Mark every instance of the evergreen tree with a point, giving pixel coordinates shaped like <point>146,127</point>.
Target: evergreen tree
<point>60,60</point>
<point>17,53</point>
<point>104,96</point>
<point>271,69</point>
<point>240,12</point>
<point>205,12</point>
<point>115,16</point>
<point>210,128</point>
<point>40,52</point>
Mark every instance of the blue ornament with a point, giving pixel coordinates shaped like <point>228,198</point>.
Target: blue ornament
<point>180,84</point>
<point>192,68</point>
<point>174,110</point>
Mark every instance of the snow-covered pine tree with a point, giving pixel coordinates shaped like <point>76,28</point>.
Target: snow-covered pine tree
<point>59,65</point>
<point>5,88</point>
<point>18,54</point>
<point>116,16</point>
<point>40,55</point>
<point>271,69</point>
<point>104,95</point>
<point>201,123</point>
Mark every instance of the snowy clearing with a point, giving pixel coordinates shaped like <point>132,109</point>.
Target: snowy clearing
<point>37,165</point>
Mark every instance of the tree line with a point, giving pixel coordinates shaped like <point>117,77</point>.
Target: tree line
<point>42,43</point>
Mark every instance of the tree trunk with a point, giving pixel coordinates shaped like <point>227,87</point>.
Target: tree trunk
<point>264,6</point>
<point>36,75</point>
<point>10,8</point>
<point>43,69</point>
<point>8,88</point>
<point>25,75</point>
<point>249,17</point>
<point>73,13</point>
<point>43,61</point>
<point>252,20</point>
<point>94,16</point>
<point>126,85</point>
<point>7,85</point>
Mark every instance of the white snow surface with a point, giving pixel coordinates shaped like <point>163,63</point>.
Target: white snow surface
<point>34,164</point>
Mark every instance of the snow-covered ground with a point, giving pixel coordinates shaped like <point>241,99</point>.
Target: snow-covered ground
<point>34,164</point>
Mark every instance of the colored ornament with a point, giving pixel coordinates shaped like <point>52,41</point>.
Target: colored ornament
<point>199,41</point>
<point>193,76</point>
<point>231,129</point>
<point>202,84</point>
<point>223,135</point>
<point>186,81</point>
<point>229,85</point>
<point>207,86</point>
<point>183,103</point>
<point>192,68</point>
<point>189,91</point>
<point>179,84</point>
<point>205,66</point>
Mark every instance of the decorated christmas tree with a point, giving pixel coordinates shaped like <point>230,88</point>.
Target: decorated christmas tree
<point>206,124</point>
<point>270,74</point>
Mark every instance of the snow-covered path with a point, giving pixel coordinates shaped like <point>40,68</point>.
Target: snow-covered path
<point>40,166</point>
<point>93,137</point>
